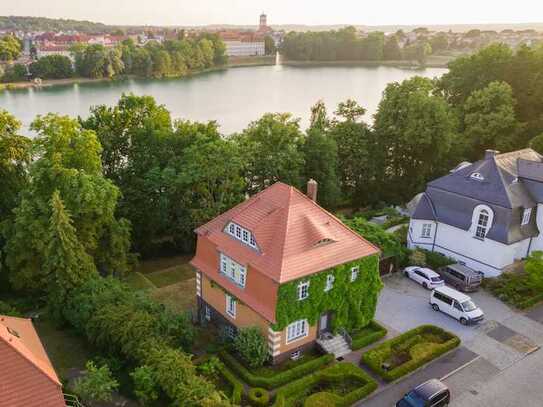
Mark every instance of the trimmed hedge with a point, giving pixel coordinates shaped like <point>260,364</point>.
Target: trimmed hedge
<point>365,338</point>
<point>421,352</point>
<point>237,386</point>
<point>292,392</point>
<point>259,397</point>
<point>277,380</point>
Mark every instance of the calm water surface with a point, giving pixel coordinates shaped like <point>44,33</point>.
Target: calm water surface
<point>233,97</point>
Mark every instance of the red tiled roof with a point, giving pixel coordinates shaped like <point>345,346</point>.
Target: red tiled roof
<point>295,236</point>
<point>27,377</point>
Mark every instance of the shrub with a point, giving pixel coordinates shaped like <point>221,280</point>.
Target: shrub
<point>368,335</point>
<point>278,379</point>
<point>14,73</point>
<point>97,384</point>
<point>420,345</point>
<point>145,385</point>
<point>259,396</point>
<point>286,395</point>
<point>6,309</point>
<point>417,258</point>
<point>435,260</point>
<point>514,288</point>
<point>251,346</point>
<point>322,399</point>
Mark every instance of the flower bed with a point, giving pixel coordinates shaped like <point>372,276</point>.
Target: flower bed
<point>409,351</point>
<point>339,385</point>
<point>367,335</point>
<point>276,379</point>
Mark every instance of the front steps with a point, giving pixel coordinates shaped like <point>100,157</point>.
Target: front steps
<point>335,344</point>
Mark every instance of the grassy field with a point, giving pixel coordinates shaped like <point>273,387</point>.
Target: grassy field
<point>65,349</point>
<point>170,281</point>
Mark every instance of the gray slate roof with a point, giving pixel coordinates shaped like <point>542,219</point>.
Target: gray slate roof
<point>452,198</point>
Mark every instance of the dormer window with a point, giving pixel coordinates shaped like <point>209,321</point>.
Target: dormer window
<point>477,176</point>
<point>526,216</point>
<point>241,234</point>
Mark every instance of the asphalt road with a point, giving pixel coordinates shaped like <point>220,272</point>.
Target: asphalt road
<point>390,394</point>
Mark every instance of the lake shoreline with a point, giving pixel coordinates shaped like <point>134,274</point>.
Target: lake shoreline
<point>46,83</point>
<point>239,62</point>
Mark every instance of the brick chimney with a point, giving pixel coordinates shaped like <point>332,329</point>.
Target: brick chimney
<point>312,187</point>
<point>491,154</point>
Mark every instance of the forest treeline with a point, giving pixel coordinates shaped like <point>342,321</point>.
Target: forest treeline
<point>173,58</point>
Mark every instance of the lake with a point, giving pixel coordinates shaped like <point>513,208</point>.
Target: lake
<point>233,97</point>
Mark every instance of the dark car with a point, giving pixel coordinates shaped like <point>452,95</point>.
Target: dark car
<point>432,393</point>
<point>461,277</point>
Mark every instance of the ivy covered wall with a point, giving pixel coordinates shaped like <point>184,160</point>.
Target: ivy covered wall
<point>352,303</point>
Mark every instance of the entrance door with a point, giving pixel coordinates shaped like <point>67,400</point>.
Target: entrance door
<point>324,322</point>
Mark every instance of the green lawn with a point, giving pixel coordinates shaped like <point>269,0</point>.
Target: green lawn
<point>64,347</point>
<point>138,281</point>
<point>171,275</point>
<point>170,280</point>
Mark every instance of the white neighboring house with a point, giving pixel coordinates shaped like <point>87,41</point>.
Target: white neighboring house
<point>235,48</point>
<point>486,215</point>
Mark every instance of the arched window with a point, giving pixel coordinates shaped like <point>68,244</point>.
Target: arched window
<point>481,221</point>
<point>482,224</point>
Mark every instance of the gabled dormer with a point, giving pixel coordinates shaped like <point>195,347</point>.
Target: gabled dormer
<point>240,233</point>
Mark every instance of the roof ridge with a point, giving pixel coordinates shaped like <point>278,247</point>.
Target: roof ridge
<point>513,153</point>
<point>499,170</point>
<point>288,209</point>
<point>36,362</point>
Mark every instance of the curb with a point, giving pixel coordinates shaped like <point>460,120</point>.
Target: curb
<point>460,368</point>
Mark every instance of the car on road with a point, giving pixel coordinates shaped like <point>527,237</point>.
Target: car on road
<point>433,393</point>
<point>426,277</point>
<point>456,304</point>
<point>461,277</point>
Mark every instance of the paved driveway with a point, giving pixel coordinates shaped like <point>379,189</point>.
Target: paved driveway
<point>505,342</point>
<point>404,305</point>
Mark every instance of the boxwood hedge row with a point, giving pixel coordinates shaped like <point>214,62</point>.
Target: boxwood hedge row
<point>278,379</point>
<point>376,332</point>
<point>292,392</point>
<point>427,351</point>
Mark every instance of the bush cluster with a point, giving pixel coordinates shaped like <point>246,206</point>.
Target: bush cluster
<point>278,379</point>
<point>514,289</point>
<point>259,397</point>
<point>423,344</point>
<point>119,320</point>
<point>368,335</point>
<point>331,375</point>
<point>251,345</point>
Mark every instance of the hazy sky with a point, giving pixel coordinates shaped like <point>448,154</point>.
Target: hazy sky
<point>199,12</point>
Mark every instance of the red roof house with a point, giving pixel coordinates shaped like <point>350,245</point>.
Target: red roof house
<point>27,377</point>
<point>279,237</point>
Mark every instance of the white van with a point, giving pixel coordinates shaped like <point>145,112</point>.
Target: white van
<point>456,304</point>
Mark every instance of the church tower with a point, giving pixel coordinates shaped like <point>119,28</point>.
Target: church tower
<point>263,22</point>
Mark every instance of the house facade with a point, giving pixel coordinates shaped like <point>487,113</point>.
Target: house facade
<point>486,214</point>
<point>280,262</point>
<point>27,377</point>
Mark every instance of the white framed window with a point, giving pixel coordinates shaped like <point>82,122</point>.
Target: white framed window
<point>297,330</point>
<point>303,290</point>
<point>329,282</point>
<point>208,313</point>
<point>354,273</point>
<point>241,234</point>
<point>426,230</point>
<point>526,216</point>
<point>296,355</point>
<point>482,224</point>
<point>230,305</point>
<point>233,270</point>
